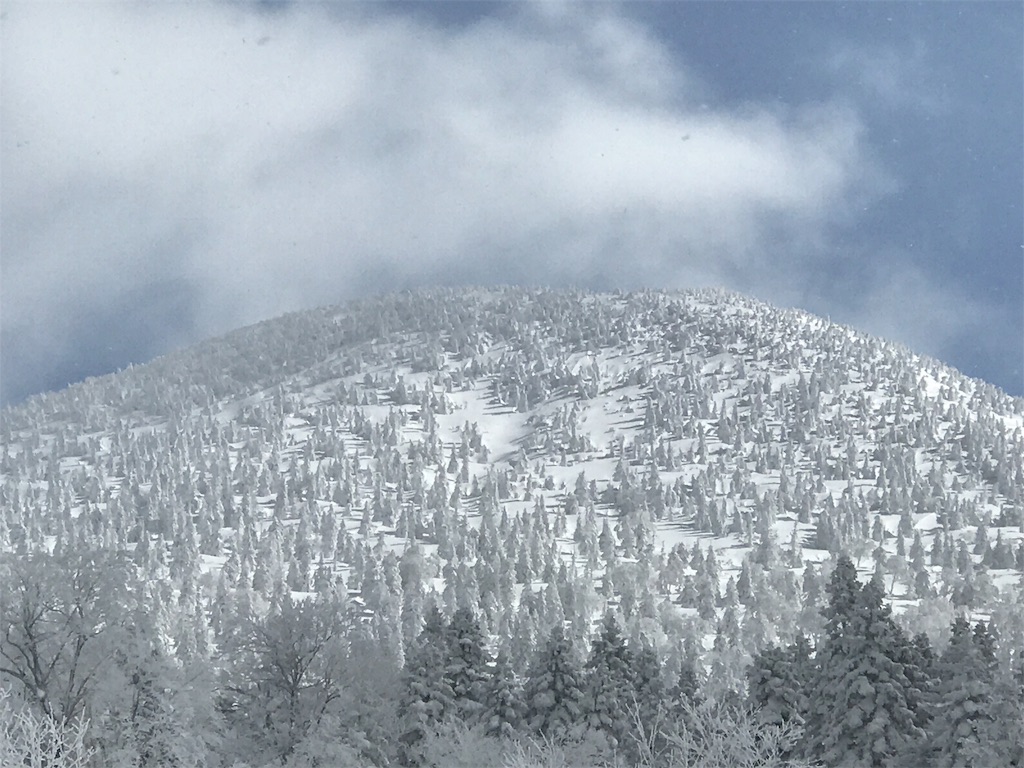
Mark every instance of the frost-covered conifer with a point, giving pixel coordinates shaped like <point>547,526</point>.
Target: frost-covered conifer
<point>427,697</point>
<point>504,707</point>
<point>863,704</point>
<point>466,664</point>
<point>608,686</point>
<point>554,690</point>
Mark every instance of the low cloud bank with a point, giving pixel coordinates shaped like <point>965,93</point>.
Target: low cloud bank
<point>174,171</point>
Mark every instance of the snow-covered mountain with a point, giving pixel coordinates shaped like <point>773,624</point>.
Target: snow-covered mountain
<point>611,439</point>
<point>228,556</point>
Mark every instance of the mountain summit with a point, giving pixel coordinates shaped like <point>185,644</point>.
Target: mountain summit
<point>692,462</point>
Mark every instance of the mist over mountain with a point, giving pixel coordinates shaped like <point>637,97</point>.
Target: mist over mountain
<point>694,478</point>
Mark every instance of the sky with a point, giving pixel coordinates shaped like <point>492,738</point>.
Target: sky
<point>172,171</point>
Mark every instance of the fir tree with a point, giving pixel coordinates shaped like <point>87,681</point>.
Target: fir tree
<point>609,686</point>
<point>1001,736</point>
<point>778,680</point>
<point>963,704</point>
<point>861,709</point>
<point>504,708</point>
<point>647,707</point>
<point>466,667</point>
<point>554,690</point>
<point>427,697</point>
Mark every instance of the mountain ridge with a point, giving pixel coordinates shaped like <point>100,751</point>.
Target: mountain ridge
<point>259,335</point>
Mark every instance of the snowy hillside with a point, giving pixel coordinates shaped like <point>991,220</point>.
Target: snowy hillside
<point>693,461</point>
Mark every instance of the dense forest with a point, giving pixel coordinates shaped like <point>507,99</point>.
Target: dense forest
<point>307,682</point>
<point>517,528</point>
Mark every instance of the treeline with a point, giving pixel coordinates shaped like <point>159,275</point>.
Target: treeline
<point>864,695</point>
<point>99,672</point>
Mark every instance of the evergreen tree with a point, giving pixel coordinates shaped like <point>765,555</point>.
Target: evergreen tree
<point>1002,735</point>
<point>963,703</point>
<point>554,690</point>
<point>919,665</point>
<point>427,697</point>
<point>466,667</point>
<point>862,702</point>
<point>504,708</point>
<point>609,685</point>
<point>648,706</point>
<point>778,680</point>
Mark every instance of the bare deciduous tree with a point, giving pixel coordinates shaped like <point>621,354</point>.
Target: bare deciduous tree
<point>713,734</point>
<point>32,740</point>
<point>55,613</point>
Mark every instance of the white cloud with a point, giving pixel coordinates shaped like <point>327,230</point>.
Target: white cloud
<point>285,160</point>
<point>891,77</point>
<point>904,304</point>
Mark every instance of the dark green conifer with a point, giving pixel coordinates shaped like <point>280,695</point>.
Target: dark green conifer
<point>609,684</point>
<point>862,701</point>
<point>427,696</point>
<point>962,702</point>
<point>778,680</point>
<point>466,668</point>
<point>504,708</point>
<point>554,690</point>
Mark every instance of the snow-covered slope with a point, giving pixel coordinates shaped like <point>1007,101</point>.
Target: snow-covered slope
<point>526,440</point>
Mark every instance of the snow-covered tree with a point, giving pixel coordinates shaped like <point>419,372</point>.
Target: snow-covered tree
<point>554,689</point>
